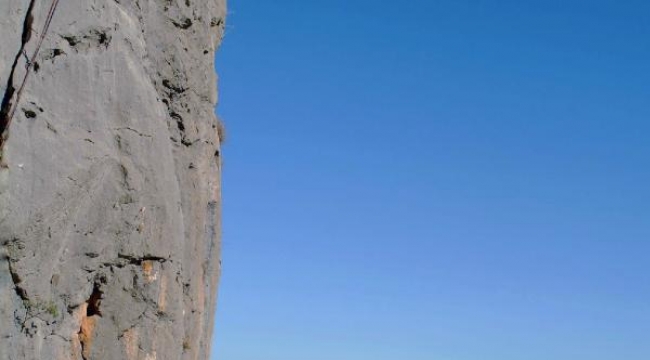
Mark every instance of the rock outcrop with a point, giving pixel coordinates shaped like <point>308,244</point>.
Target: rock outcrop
<point>110,178</point>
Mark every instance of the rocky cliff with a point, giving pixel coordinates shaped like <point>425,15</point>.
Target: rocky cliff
<point>110,178</point>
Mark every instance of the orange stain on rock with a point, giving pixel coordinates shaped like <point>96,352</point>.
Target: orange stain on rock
<point>131,343</point>
<point>162,297</point>
<point>148,270</point>
<point>86,329</point>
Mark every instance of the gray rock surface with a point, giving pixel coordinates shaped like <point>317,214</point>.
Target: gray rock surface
<point>110,178</point>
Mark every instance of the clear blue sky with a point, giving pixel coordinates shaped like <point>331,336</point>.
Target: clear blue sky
<point>435,180</point>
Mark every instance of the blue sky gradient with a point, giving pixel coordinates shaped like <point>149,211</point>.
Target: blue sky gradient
<point>435,180</point>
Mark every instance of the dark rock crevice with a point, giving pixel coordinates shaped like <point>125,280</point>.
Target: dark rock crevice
<point>6,108</point>
<point>15,278</point>
<point>138,260</point>
<point>8,105</point>
<point>93,38</point>
<point>13,247</point>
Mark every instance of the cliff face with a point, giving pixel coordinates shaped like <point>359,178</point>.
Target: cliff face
<point>110,178</point>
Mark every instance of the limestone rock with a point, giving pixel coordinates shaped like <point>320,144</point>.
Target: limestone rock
<point>110,178</point>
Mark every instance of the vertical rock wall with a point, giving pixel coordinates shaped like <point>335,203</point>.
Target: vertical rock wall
<point>110,178</point>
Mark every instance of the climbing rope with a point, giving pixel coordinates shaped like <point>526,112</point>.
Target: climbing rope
<point>30,63</point>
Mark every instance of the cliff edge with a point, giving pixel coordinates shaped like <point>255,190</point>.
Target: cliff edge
<point>110,178</point>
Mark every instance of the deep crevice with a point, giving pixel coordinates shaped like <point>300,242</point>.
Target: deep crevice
<point>29,113</point>
<point>95,301</point>
<point>89,319</point>
<point>179,120</point>
<point>6,107</point>
<point>183,24</point>
<point>10,90</point>
<point>176,88</point>
<point>15,278</point>
<point>139,260</point>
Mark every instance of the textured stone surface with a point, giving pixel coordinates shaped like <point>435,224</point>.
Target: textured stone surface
<point>110,182</point>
